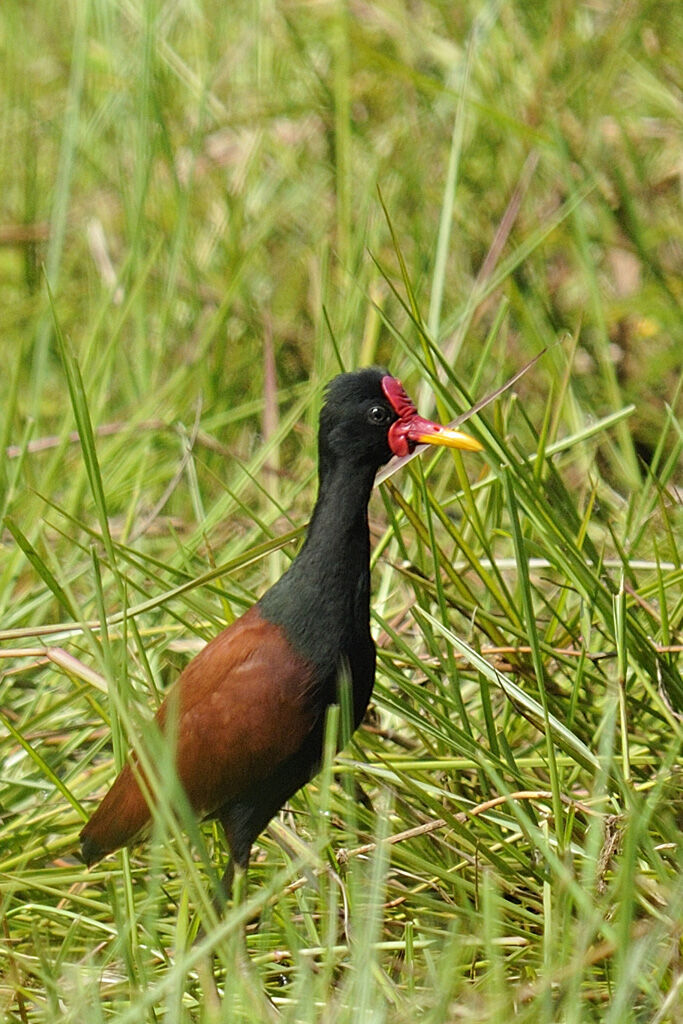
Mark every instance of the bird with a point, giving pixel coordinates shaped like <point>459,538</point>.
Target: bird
<point>247,714</point>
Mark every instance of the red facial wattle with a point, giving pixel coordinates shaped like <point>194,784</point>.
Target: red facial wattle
<point>410,428</point>
<point>399,431</point>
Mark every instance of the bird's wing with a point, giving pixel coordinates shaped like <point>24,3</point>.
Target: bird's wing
<point>238,710</point>
<point>241,708</point>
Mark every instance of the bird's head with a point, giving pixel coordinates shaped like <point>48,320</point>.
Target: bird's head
<point>368,417</point>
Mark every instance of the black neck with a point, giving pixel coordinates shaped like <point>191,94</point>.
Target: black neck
<point>322,601</point>
<point>338,530</point>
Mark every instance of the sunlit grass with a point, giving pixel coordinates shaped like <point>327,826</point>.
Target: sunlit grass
<point>191,189</point>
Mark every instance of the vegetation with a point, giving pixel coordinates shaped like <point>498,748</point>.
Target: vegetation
<point>207,209</point>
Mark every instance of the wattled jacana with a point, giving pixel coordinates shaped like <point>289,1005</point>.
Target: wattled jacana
<point>248,712</point>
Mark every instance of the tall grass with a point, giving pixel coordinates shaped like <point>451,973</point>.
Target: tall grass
<point>194,194</point>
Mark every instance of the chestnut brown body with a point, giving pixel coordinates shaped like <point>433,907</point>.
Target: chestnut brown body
<point>238,712</point>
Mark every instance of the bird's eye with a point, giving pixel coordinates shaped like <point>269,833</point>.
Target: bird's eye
<point>378,414</point>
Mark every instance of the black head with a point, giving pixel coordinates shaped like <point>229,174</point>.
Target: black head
<point>355,420</point>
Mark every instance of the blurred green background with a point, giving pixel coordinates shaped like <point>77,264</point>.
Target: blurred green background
<point>196,178</point>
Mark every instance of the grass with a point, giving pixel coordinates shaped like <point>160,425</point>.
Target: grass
<point>207,209</point>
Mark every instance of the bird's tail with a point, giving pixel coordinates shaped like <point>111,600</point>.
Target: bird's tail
<point>121,816</point>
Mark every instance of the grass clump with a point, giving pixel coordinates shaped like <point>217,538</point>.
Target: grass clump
<point>206,211</point>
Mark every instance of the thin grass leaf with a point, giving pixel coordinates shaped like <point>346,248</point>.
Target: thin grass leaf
<point>530,622</point>
<point>520,700</point>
